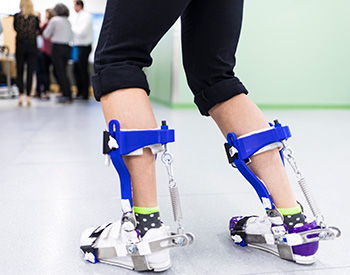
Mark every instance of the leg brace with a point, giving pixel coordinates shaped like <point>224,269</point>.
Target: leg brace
<point>118,143</point>
<point>239,150</point>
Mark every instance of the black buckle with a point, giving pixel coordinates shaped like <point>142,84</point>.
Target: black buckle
<point>105,148</point>
<point>228,153</point>
<point>87,249</point>
<point>231,157</point>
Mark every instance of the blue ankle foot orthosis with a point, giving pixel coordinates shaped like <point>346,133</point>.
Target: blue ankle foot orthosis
<point>240,150</point>
<point>118,246</point>
<point>118,143</point>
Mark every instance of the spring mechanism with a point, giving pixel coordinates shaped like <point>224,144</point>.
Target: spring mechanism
<point>288,153</point>
<point>309,198</point>
<point>175,202</point>
<point>167,159</point>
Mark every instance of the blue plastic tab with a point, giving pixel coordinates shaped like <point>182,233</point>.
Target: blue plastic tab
<point>248,146</point>
<point>129,141</point>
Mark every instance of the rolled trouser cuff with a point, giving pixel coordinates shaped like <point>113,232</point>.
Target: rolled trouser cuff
<point>118,77</point>
<point>217,93</point>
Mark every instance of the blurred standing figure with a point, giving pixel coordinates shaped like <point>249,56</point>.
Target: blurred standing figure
<point>45,60</point>
<point>26,24</point>
<point>82,38</point>
<point>59,31</point>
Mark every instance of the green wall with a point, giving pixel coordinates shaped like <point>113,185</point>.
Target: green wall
<point>292,53</point>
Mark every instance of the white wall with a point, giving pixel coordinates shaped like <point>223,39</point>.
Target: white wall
<point>292,53</point>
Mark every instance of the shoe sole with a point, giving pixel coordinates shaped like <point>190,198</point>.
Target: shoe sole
<point>304,260</point>
<point>127,263</point>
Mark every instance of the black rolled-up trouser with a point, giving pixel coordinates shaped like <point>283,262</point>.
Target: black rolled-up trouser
<point>81,71</point>
<point>60,54</point>
<point>25,53</point>
<point>210,34</point>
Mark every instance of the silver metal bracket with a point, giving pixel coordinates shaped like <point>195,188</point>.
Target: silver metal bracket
<point>138,251</point>
<point>292,239</point>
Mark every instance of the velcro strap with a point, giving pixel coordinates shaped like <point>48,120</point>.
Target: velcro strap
<point>239,227</point>
<point>98,231</point>
<point>241,223</point>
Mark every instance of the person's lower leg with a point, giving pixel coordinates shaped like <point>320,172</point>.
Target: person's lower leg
<point>131,107</point>
<point>241,116</point>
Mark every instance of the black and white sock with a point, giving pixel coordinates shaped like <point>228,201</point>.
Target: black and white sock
<point>146,222</point>
<point>291,220</point>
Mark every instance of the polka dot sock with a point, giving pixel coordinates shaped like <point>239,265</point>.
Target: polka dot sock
<point>292,216</point>
<point>292,220</point>
<point>147,218</point>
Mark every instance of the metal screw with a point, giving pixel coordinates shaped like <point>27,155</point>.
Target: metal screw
<point>179,241</point>
<point>323,235</point>
<point>132,249</point>
<point>280,240</point>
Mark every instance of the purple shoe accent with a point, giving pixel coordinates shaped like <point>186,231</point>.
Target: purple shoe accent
<point>309,248</point>
<point>234,228</point>
<point>233,222</point>
<point>138,233</point>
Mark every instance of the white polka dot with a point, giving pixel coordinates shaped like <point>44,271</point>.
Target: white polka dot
<point>146,229</point>
<point>145,220</point>
<point>290,223</point>
<point>153,224</point>
<point>136,214</point>
<point>289,216</point>
<point>152,215</point>
<point>138,222</point>
<point>158,218</point>
<point>298,219</point>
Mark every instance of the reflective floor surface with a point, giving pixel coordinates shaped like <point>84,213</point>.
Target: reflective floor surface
<point>54,184</point>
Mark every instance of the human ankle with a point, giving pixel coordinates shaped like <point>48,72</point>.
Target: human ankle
<point>147,218</point>
<point>293,216</point>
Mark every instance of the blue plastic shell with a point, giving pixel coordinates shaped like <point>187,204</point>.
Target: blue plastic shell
<point>129,141</point>
<point>248,146</point>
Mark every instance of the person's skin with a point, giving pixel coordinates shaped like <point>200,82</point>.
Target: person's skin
<point>77,8</point>
<point>132,108</point>
<point>240,115</point>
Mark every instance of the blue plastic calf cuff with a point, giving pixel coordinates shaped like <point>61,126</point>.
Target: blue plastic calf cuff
<point>129,141</point>
<point>248,146</point>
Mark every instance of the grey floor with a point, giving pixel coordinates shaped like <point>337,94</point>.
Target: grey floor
<point>54,184</point>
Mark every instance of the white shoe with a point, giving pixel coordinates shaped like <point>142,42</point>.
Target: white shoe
<point>120,244</point>
<point>262,232</point>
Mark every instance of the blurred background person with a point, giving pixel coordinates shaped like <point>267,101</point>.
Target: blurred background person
<point>26,24</point>
<point>39,42</point>
<point>44,61</point>
<point>59,31</point>
<point>82,38</point>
